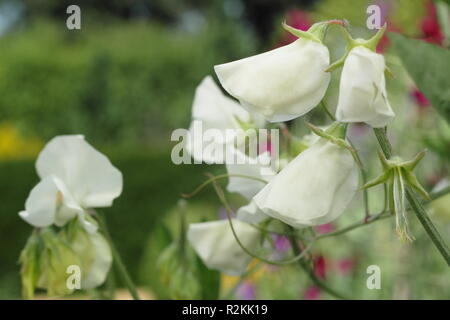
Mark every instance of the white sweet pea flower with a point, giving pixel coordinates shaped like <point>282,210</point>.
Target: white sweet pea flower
<point>281,84</point>
<point>214,112</point>
<point>251,213</point>
<point>314,188</point>
<point>75,177</point>
<point>362,94</point>
<point>258,167</point>
<point>216,246</point>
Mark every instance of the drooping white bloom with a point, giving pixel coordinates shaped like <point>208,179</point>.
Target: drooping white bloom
<point>75,177</point>
<point>251,214</point>
<point>362,93</point>
<point>215,113</point>
<point>314,188</point>
<point>281,84</point>
<point>258,168</point>
<point>215,244</point>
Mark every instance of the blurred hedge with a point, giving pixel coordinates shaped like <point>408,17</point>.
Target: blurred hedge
<point>124,82</point>
<point>152,185</point>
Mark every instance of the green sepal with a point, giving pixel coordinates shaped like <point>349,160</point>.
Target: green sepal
<point>300,33</point>
<point>335,134</point>
<point>370,44</point>
<point>383,178</point>
<point>411,164</point>
<point>412,181</point>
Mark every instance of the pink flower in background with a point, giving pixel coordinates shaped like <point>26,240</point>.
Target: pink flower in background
<point>384,42</point>
<point>345,266</point>
<point>246,291</point>
<point>266,147</point>
<point>320,267</point>
<point>281,243</point>
<point>297,19</point>
<point>430,26</point>
<point>222,213</point>
<point>419,98</point>
<point>325,228</point>
<point>312,293</point>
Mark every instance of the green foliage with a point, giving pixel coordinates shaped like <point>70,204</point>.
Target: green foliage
<point>124,83</point>
<point>428,65</point>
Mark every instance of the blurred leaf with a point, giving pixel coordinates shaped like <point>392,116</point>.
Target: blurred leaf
<point>209,281</point>
<point>159,239</point>
<point>428,65</point>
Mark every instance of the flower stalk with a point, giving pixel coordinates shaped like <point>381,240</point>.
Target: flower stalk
<point>414,202</point>
<point>120,266</point>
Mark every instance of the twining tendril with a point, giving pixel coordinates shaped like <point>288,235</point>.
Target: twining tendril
<point>228,210</point>
<point>218,177</point>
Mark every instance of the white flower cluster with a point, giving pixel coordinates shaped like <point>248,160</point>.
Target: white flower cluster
<point>317,185</point>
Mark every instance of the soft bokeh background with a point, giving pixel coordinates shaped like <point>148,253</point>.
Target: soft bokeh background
<point>126,80</point>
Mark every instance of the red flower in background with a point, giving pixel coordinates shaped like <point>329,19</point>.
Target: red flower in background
<point>320,268</point>
<point>299,20</point>
<point>324,228</point>
<point>312,293</point>
<point>419,98</point>
<point>430,26</point>
<point>384,42</point>
<point>346,266</point>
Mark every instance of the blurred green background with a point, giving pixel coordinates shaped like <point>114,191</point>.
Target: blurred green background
<point>126,80</point>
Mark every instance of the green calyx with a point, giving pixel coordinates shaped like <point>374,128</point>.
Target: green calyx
<point>315,33</point>
<point>352,43</point>
<point>398,175</point>
<point>335,133</point>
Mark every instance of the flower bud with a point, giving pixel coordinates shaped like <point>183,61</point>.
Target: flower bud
<point>178,272</point>
<point>362,92</point>
<point>55,258</point>
<point>29,272</point>
<point>93,252</point>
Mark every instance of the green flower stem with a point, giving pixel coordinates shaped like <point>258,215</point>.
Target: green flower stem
<point>375,217</point>
<point>367,221</point>
<point>304,264</point>
<point>121,269</point>
<point>415,203</point>
<point>329,114</point>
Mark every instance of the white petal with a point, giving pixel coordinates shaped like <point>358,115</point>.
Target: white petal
<point>251,214</point>
<point>215,244</point>
<point>314,188</point>
<point>50,203</point>
<point>362,95</point>
<point>101,264</point>
<point>215,113</point>
<point>253,167</point>
<point>215,109</point>
<point>281,84</point>
<point>40,207</point>
<point>89,175</point>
